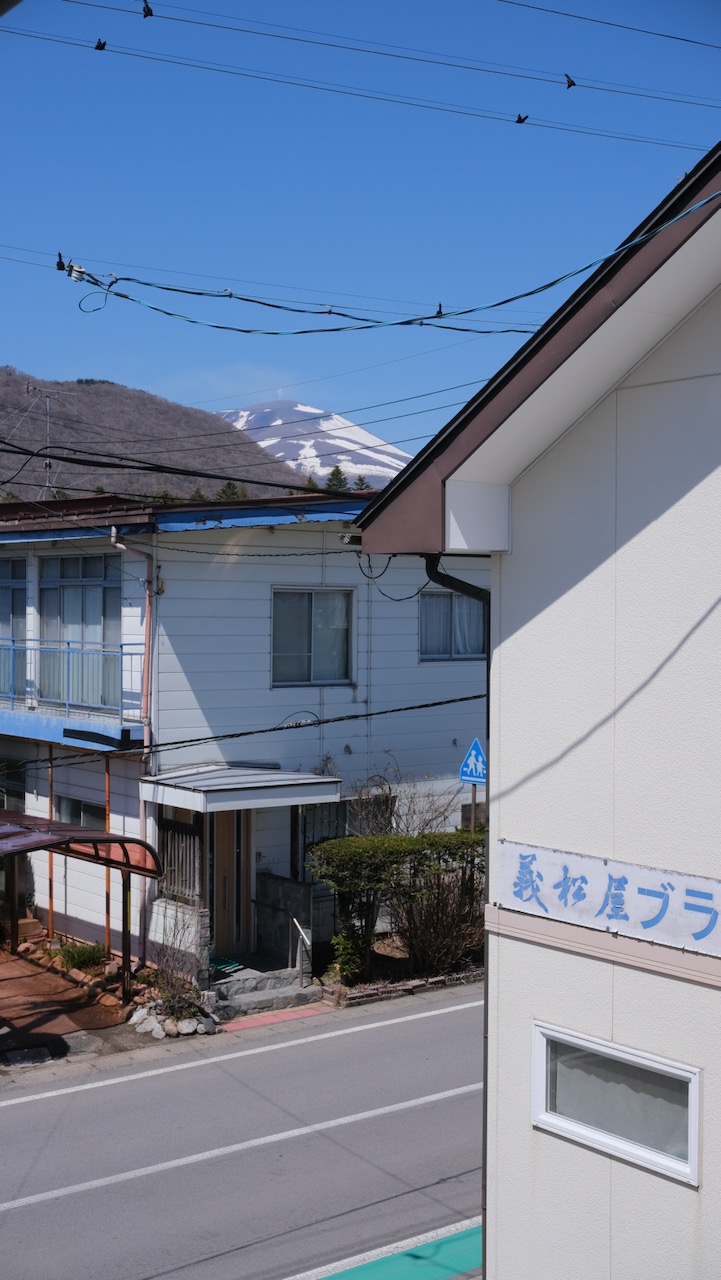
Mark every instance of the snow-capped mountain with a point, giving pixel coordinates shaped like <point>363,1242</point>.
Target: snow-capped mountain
<point>313,441</point>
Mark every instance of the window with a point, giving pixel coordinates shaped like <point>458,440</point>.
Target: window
<point>12,785</point>
<point>452,626</point>
<point>617,1100</point>
<point>12,627</point>
<point>80,630</point>
<point>311,637</point>
<point>80,813</point>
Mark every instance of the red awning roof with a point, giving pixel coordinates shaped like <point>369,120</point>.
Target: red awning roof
<point>24,833</point>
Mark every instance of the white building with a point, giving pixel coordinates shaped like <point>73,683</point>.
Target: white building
<point>217,679</point>
<point>590,469</point>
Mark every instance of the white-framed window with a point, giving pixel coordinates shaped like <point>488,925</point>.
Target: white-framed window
<point>452,626</point>
<point>311,637</point>
<point>621,1101</point>
<point>80,629</point>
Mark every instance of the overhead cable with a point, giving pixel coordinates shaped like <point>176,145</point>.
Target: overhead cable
<point>354,91</point>
<point>108,289</point>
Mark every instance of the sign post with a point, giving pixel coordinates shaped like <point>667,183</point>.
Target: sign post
<point>473,770</point>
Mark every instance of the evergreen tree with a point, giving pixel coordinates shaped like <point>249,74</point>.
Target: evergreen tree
<point>361,483</point>
<point>311,482</point>
<point>337,481</point>
<point>231,492</point>
<point>198,496</point>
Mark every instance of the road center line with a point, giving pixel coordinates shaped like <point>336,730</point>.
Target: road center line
<point>267,1140</point>
<point>238,1053</point>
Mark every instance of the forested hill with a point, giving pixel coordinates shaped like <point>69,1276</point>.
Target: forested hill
<point>100,431</point>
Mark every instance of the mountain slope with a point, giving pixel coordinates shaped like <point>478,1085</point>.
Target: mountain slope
<point>313,441</point>
<point>111,425</point>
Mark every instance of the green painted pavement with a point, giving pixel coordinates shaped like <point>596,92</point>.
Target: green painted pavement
<point>441,1259</point>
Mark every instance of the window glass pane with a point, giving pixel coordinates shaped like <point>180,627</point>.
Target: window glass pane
<point>72,605</point>
<point>6,616</point>
<point>435,625</point>
<point>70,566</point>
<point>467,627</point>
<point>111,615</point>
<point>291,637</point>
<point>330,635</point>
<point>92,815</point>
<point>18,612</point>
<point>93,566</point>
<point>50,568</point>
<point>18,570</point>
<point>112,568</point>
<point>619,1098</point>
<point>50,613</point>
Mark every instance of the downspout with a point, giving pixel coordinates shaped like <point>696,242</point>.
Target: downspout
<point>451,583</point>
<point>144,705</point>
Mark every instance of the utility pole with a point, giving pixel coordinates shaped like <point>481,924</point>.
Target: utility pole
<point>46,491</point>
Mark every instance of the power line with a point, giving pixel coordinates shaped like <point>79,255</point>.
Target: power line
<point>620,26</point>
<point>183,743</point>
<point>399,53</point>
<point>109,290</point>
<point>162,441</point>
<point>354,91</point>
<point>170,271</point>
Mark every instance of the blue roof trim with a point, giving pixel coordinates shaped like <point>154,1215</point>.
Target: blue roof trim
<point>36,727</point>
<point>254,517</point>
<point>62,535</point>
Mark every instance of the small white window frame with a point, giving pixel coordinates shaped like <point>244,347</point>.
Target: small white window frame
<point>686,1171</point>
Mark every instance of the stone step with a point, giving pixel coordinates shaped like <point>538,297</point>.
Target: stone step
<point>271,998</point>
<point>246,981</point>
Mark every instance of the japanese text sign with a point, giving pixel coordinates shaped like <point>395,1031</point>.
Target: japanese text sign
<point>621,897</point>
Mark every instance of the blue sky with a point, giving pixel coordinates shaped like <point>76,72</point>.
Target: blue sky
<point>212,179</point>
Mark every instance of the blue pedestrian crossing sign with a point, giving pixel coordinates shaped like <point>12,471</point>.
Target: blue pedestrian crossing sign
<point>473,768</point>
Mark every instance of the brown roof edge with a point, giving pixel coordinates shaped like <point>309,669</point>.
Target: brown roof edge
<point>612,284</point>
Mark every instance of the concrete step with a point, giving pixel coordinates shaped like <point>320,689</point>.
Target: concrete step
<point>247,980</point>
<point>271,998</point>
<point>29,928</point>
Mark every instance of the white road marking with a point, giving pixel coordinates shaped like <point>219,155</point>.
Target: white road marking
<point>239,1053</point>
<point>201,1156</point>
<point>401,1246</point>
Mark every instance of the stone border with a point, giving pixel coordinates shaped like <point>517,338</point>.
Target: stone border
<point>369,994</point>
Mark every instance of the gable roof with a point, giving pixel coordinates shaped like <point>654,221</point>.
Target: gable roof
<point>660,273</point>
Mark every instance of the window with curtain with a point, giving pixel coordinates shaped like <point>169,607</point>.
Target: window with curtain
<point>618,1100</point>
<point>311,637</point>
<point>13,603</point>
<point>452,626</point>
<point>80,605</point>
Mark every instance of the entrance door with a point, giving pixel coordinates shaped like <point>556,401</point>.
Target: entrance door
<point>225,910</point>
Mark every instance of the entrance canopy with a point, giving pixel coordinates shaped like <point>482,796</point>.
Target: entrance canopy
<point>217,788</point>
<point>24,833</point>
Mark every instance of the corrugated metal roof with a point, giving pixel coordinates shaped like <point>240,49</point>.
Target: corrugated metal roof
<point>218,788</point>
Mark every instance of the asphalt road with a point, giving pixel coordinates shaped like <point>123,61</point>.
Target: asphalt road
<point>261,1155</point>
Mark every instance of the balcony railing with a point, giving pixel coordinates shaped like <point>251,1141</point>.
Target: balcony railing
<point>72,677</point>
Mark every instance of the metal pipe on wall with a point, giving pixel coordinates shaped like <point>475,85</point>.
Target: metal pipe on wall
<point>451,583</point>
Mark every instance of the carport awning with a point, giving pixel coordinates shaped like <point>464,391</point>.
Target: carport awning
<point>24,833</point>
<point>217,788</point>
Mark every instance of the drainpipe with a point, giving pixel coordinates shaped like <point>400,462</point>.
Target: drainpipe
<point>451,583</point>
<point>144,704</point>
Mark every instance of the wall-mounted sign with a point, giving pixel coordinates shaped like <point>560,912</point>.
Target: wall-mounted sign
<point>660,906</point>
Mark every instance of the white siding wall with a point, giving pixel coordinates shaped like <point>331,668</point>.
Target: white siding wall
<point>606,673</point>
<point>214,659</point>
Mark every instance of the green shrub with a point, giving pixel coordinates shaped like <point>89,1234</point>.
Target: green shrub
<point>82,955</point>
